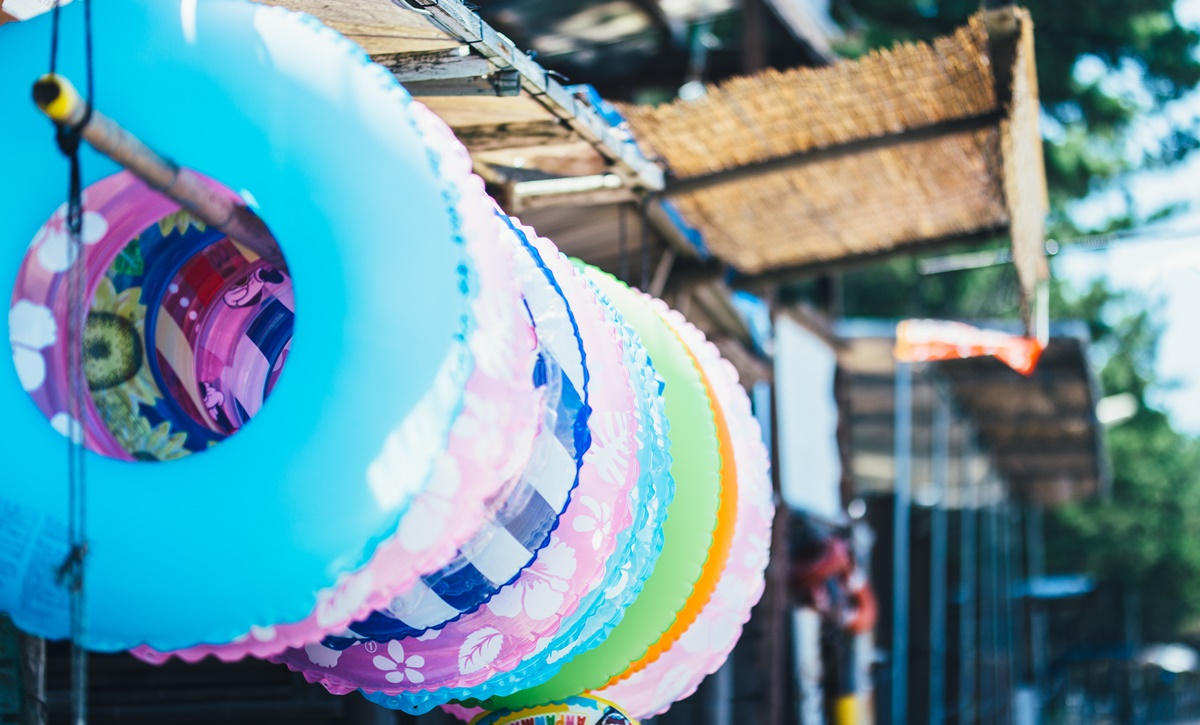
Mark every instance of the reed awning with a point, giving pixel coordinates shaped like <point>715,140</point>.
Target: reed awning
<point>906,150</point>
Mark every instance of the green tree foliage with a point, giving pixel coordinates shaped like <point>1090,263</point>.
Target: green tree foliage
<point>1140,59</point>
<point>1133,57</point>
<point>1143,537</point>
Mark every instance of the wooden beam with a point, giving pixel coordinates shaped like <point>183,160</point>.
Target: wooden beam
<point>598,190</point>
<point>378,26</point>
<point>818,324</point>
<point>715,299</point>
<point>453,72</point>
<point>457,18</point>
<point>751,367</point>
<point>907,137</point>
<point>659,282</point>
<point>796,15</point>
<point>500,84</point>
<point>1004,35</point>
<point>515,135</point>
<point>754,49</point>
<point>436,65</point>
<point>995,419</point>
<point>663,225</point>
<point>784,275</point>
<point>997,376</point>
<point>1042,461</point>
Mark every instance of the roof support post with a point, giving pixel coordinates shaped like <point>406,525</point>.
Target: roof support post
<point>937,557</point>
<point>902,478</point>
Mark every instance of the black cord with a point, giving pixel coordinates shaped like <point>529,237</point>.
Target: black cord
<point>71,573</point>
<point>54,39</point>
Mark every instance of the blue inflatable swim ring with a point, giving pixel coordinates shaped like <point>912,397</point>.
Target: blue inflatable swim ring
<point>295,118</point>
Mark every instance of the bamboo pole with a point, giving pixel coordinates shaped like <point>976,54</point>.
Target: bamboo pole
<point>56,97</point>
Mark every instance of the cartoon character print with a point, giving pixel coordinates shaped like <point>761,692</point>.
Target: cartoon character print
<point>613,716</point>
<point>214,401</point>
<point>248,291</point>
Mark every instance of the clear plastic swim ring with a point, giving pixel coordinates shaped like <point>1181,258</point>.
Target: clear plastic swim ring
<point>461,659</point>
<point>518,526</point>
<point>619,356</point>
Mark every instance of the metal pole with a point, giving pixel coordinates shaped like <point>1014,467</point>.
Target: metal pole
<point>59,100</point>
<point>1132,609</point>
<point>1039,636</point>
<point>986,592</point>
<point>1022,625</point>
<point>776,601</point>
<point>1012,612</point>
<point>721,694</point>
<point>994,609</point>
<point>903,498</point>
<point>967,579</point>
<point>937,559</point>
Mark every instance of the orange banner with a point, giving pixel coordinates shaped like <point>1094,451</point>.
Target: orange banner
<point>934,340</point>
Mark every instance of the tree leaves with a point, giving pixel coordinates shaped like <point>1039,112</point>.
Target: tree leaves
<point>1144,537</point>
<point>1144,58</point>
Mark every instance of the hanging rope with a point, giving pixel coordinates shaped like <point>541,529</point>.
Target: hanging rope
<point>71,572</point>
<point>644,214</point>
<point>622,246</point>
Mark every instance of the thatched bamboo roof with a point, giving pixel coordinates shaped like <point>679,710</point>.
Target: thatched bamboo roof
<point>904,149</point>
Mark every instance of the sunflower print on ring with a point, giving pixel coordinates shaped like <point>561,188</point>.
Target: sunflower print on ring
<point>123,387</point>
<point>116,369</point>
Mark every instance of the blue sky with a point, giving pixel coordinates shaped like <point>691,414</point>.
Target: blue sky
<point>1165,273</point>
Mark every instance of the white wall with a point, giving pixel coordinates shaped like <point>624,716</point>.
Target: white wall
<point>810,465</point>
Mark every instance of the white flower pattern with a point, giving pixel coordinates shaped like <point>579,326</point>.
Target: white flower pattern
<point>398,667</point>
<point>480,423</point>
<point>493,359</point>
<point>31,328</point>
<point>66,425</point>
<point>610,451</point>
<point>54,250</point>
<point>322,656</point>
<point>540,590</point>
<point>598,520</point>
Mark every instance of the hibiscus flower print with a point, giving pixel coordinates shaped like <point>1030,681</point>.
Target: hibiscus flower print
<point>399,667</point>
<point>481,423</point>
<point>597,519</point>
<point>540,590</point>
<point>493,356</point>
<point>610,451</point>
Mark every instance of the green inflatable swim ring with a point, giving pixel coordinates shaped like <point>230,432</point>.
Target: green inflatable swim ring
<point>691,518</point>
